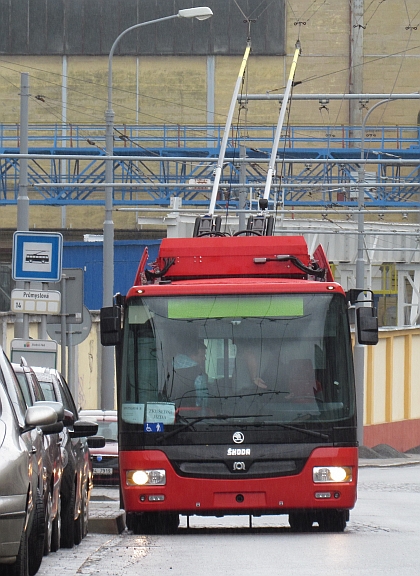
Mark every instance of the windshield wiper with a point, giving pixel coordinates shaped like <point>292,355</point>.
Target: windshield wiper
<point>303,430</point>
<point>190,425</point>
<point>201,418</point>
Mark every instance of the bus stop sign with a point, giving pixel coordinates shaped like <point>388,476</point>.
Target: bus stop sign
<point>37,256</point>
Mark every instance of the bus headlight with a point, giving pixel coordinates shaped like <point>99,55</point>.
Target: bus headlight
<point>325,474</point>
<point>145,477</point>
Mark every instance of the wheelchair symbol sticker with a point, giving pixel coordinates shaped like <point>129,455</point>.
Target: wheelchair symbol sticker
<point>153,427</point>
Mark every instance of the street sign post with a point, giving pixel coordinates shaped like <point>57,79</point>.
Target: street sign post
<point>35,301</point>
<point>37,256</point>
<point>73,306</point>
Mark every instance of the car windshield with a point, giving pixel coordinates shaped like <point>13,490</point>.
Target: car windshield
<point>109,430</point>
<point>276,358</point>
<point>48,389</point>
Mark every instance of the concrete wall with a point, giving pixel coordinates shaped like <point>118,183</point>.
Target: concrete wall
<point>392,385</point>
<point>172,89</point>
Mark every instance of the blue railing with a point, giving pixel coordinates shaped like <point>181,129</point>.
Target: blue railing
<point>82,181</point>
<point>208,136</point>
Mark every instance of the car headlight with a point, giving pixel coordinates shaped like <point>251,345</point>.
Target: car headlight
<point>146,477</point>
<point>325,474</point>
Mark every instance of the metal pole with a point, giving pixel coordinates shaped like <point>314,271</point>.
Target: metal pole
<point>22,320</point>
<point>242,191</point>
<point>219,167</point>
<point>42,331</point>
<point>63,324</point>
<point>107,364</point>
<point>272,164</point>
<point>359,349</point>
<point>70,365</point>
<point>356,58</point>
<point>323,96</point>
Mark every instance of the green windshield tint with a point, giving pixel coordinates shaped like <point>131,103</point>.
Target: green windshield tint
<point>243,307</point>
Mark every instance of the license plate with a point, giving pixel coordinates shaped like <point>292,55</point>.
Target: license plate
<point>104,471</point>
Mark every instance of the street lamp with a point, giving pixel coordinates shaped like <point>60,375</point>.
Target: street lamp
<point>359,350</point>
<point>107,390</point>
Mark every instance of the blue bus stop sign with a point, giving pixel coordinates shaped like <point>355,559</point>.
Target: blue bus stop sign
<point>37,256</point>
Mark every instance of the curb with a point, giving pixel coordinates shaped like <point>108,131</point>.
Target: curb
<point>114,524</point>
<point>105,514</point>
<point>387,462</point>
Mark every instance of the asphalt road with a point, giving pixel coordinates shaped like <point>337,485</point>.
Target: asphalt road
<point>382,538</point>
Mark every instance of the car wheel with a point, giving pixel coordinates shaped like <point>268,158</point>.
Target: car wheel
<point>81,524</point>
<point>155,523</point>
<point>21,566</point>
<point>333,520</point>
<point>300,522</point>
<point>78,525</point>
<point>48,525</point>
<point>67,520</point>
<point>85,513</point>
<point>37,536</point>
<point>56,528</point>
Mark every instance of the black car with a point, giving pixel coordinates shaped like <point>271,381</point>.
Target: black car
<point>52,458</point>
<point>76,483</point>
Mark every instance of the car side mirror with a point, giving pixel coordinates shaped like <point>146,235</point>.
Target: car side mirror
<point>68,419</point>
<point>367,326</point>
<point>96,442</point>
<point>52,428</point>
<point>110,319</point>
<point>83,428</point>
<point>57,406</point>
<point>40,416</point>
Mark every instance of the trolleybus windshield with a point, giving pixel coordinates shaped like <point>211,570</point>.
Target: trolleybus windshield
<point>272,359</point>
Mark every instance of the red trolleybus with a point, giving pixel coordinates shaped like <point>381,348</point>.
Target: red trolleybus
<point>235,384</point>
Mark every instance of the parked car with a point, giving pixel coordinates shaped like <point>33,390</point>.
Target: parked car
<point>105,460</point>
<point>77,480</point>
<point>21,476</point>
<point>51,455</point>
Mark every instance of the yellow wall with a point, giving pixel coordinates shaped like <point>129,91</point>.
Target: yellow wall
<point>392,390</point>
<point>173,89</point>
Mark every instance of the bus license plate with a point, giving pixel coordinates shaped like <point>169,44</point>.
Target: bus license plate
<point>104,471</point>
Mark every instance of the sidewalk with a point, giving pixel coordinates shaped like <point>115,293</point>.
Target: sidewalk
<point>406,460</point>
<point>384,455</point>
<point>106,517</point>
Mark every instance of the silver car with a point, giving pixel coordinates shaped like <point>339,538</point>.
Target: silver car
<point>20,477</point>
<point>50,447</point>
<point>77,480</point>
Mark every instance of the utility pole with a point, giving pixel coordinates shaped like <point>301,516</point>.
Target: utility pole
<point>22,320</point>
<point>356,60</point>
<point>359,350</point>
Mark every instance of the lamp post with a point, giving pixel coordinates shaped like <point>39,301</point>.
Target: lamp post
<point>107,389</point>
<point>359,350</point>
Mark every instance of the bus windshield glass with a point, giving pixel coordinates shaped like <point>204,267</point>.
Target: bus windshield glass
<point>271,358</point>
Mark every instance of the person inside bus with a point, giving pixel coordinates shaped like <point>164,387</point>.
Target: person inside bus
<point>303,385</point>
<point>190,381</point>
<point>258,366</point>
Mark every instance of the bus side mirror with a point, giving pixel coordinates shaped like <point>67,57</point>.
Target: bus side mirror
<point>367,326</point>
<point>110,318</point>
